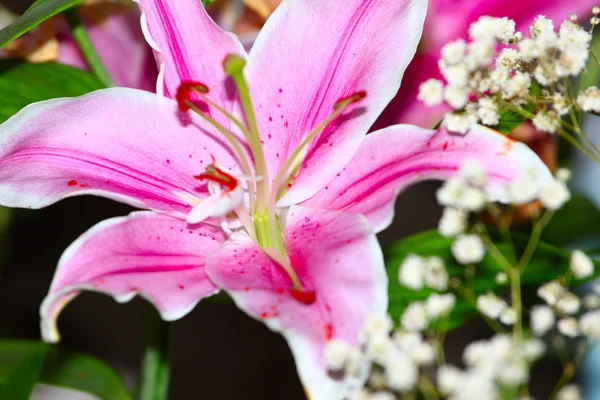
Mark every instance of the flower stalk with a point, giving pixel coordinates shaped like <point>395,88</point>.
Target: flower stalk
<point>154,383</point>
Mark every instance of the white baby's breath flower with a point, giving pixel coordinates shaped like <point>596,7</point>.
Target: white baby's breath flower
<point>450,192</point>
<point>590,324</point>
<point>438,305</point>
<point>412,272</point>
<point>508,316</point>
<point>471,199</point>
<point>414,318</point>
<point>589,99</point>
<point>478,353</point>
<point>491,305</point>
<point>546,121</point>
<point>401,373</point>
<point>431,92</point>
<point>560,104</point>
<point>481,53</point>
<point>569,392</point>
<point>473,171</point>
<point>456,75</point>
<point>449,378</point>
<point>457,122</point>
<point>377,380</point>
<point>454,52</point>
<point>568,304</point>
<point>551,292</point>
<point>436,275</point>
<point>563,174</point>
<point>555,195</point>
<point>422,354</point>
<point>379,348</point>
<point>581,265</point>
<point>523,190</point>
<point>488,111</point>
<point>501,278</point>
<point>533,349</point>
<point>453,222</point>
<point>382,396</point>
<point>545,75</point>
<point>591,301</point>
<point>517,86</point>
<point>468,249</point>
<point>508,58</point>
<point>568,327</point>
<point>376,325</point>
<point>456,96</point>
<point>486,28</point>
<point>528,50</point>
<point>336,354</point>
<point>542,320</point>
<point>541,25</point>
<point>361,394</point>
<point>513,373</point>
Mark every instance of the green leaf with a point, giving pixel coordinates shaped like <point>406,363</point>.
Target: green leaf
<point>547,263</point>
<point>40,11</point>
<point>22,83</point>
<point>576,219</point>
<point>62,368</point>
<point>23,361</point>
<point>68,369</point>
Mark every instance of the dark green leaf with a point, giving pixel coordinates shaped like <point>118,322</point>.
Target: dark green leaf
<point>40,11</point>
<point>548,262</point>
<point>22,362</point>
<point>578,218</point>
<point>83,372</point>
<point>62,368</point>
<point>22,83</point>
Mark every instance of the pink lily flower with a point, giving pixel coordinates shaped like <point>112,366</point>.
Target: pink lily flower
<point>448,20</point>
<point>292,197</point>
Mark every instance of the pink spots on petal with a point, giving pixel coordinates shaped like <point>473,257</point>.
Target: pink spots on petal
<point>247,289</point>
<point>264,315</point>
<point>286,124</point>
<point>84,185</point>
<point>328,331</point>
<point>270,118</point>
<point>181,287</point>
<point>72,182</point>
<point>280,90</point>
<point>168,161</point>
<point>280,290</point>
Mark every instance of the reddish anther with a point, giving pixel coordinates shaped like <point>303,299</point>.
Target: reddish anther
<point>307,297</point>
<point>72,182</point>
<point>185,91</point>
<point>353,98</point>
<point>218,175</point>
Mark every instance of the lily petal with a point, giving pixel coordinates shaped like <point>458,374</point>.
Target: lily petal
<point>124,144</point>
<point>335,50</point>
<point>334,254</point>
<point>189,46</point>
<point>156,256</point>
<point>370,183</point>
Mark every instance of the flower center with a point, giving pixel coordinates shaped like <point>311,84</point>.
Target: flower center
<point>261,221</point>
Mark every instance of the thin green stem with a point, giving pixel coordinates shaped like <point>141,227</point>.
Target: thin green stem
<point>155,365</point>
<point>515,294</point>
<point>534,240</point>
<point>86,47</point>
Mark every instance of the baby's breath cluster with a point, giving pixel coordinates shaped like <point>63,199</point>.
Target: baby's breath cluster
<point>502,69</point>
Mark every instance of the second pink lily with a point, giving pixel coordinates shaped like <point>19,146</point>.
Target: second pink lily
<point>265,185</point>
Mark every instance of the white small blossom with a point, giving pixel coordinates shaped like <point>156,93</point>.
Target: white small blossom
<point>533,349</point>
<point>473,171</point>
<point>422,354</point>
<point>551,292</point>
<point>453,222</point>
<point>361,394</point>
<point>376,325</point>
<point>528,49</point>
<point>454,52</point>
<point>514,373</point>
<point>589,99</point>
<point>590,324</point>
<point>456,75</point>
<point>436,275</point>
<point>471,199</point>
<point>401,373</point>
<point>569,392</point>
<point>449,378</point>
<point>407,340</point>
<point>517,86</point>
<point>581,265</point>
<point>568,304</point>
<point>412,272</point>
<point>591,301</point>
<point>357,363</point>
<point>546,121</point>
<point>438,305</point>
<point>545,75</point>
<point>468,249</point>
<point>508,30</point>
<point>541,25</point>
<point>377,380</point>
<point>563,174</point>
<point>450,192</point>
<point>560,104</point>
<point>523,190</point>
<point>491,305</point>
<point>414,318</point>
<point>508,316</point>
<point>382,396</point>
<point>568,327</point>
<point>431,92</point>
<point>336,354</point>
<point>555,195</point>
<point>478,353</point>
<point>542,320</point>
<point>456,96</point>
<point>488,111</point>
<point>457,122</point>
<point>379,348</point>
<point>481,53</point>
<point>508,58</point>
<point>501,278</point>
